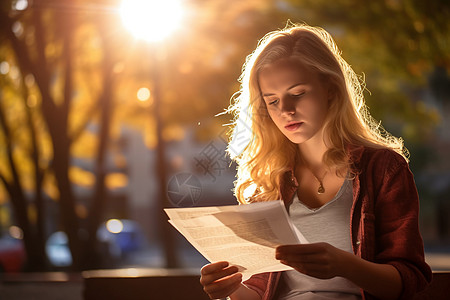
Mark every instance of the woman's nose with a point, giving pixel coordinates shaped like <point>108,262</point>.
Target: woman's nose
<point>287,106</point>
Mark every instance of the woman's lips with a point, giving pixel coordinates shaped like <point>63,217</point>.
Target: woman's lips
<point>293,126</point>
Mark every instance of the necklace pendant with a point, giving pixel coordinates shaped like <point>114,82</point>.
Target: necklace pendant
<point>321,189</point>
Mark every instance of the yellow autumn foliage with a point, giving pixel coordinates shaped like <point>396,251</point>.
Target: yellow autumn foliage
<point>85,146</point>
<point>116,180</point>
<point>49,187</point>
<point>81,177</point>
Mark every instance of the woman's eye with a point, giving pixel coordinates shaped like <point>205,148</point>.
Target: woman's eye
<point>273,101</point>
<point>298,94</point>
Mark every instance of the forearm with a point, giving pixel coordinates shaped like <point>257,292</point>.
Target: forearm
<point>380,280</point>
<point>244,293</point>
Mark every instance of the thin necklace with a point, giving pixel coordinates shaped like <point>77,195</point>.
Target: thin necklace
<point>321,188</point>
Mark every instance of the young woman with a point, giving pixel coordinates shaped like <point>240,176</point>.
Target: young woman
<point>344,180</point>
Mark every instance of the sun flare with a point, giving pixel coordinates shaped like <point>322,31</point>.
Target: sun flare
<point>151,20</point>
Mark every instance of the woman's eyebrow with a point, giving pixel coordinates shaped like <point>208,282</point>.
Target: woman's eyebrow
<point>289,88</point>
<point>296,85</point>
<point>268,94</point>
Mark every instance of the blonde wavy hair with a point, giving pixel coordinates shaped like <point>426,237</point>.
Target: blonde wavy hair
<point>262,152</point>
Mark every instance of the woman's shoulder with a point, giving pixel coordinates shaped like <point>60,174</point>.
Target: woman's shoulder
<point>377,155</point>
<point>380,160</point>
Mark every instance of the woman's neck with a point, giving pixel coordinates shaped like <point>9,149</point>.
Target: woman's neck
<point>312,153</point>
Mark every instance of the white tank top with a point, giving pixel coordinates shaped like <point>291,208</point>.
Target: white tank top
<point>328,223</point>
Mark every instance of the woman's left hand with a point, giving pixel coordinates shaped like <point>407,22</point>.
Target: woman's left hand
<point>320,260</point>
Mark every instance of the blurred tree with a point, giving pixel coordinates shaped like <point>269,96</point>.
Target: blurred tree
<point>60,80</point>
<point>42,40</point>
<point>70,66</point>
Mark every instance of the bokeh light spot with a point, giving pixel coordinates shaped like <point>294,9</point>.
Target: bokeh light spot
<point>16,232</point>
<point>20,4</point>
<point>4,67</point>
<point>114,226</point>
<point>143,94</point>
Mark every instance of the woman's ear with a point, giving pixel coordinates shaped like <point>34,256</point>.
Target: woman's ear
<point>331,92</point>
<point>330,87</point>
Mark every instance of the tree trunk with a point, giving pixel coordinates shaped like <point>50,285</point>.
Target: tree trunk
<point>166,233</point>
<point>20,203</point>
<point>100,193</point>
<point>40,262</point>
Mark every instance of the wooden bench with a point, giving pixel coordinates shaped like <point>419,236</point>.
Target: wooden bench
<point>439,287</point>
<point>143,284</point>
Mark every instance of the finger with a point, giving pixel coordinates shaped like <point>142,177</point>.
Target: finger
<point>303,264</point>
<point>224,287</point>
<point>213,267</point>
<point>211,277</point>
<point>297,251</point>
<point>296,266</point>
<point>300,248</point>
<point>303,258</point>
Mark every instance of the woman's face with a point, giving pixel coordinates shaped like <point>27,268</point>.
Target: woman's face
<point>296,99</point>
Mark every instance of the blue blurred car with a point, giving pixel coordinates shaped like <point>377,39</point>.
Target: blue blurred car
<point>117,238</point>
<point>123,236</point>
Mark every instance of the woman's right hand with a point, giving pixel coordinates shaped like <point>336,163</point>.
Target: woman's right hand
<point>220,280</point>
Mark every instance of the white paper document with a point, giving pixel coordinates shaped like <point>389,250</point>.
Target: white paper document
<point>244,235</point>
